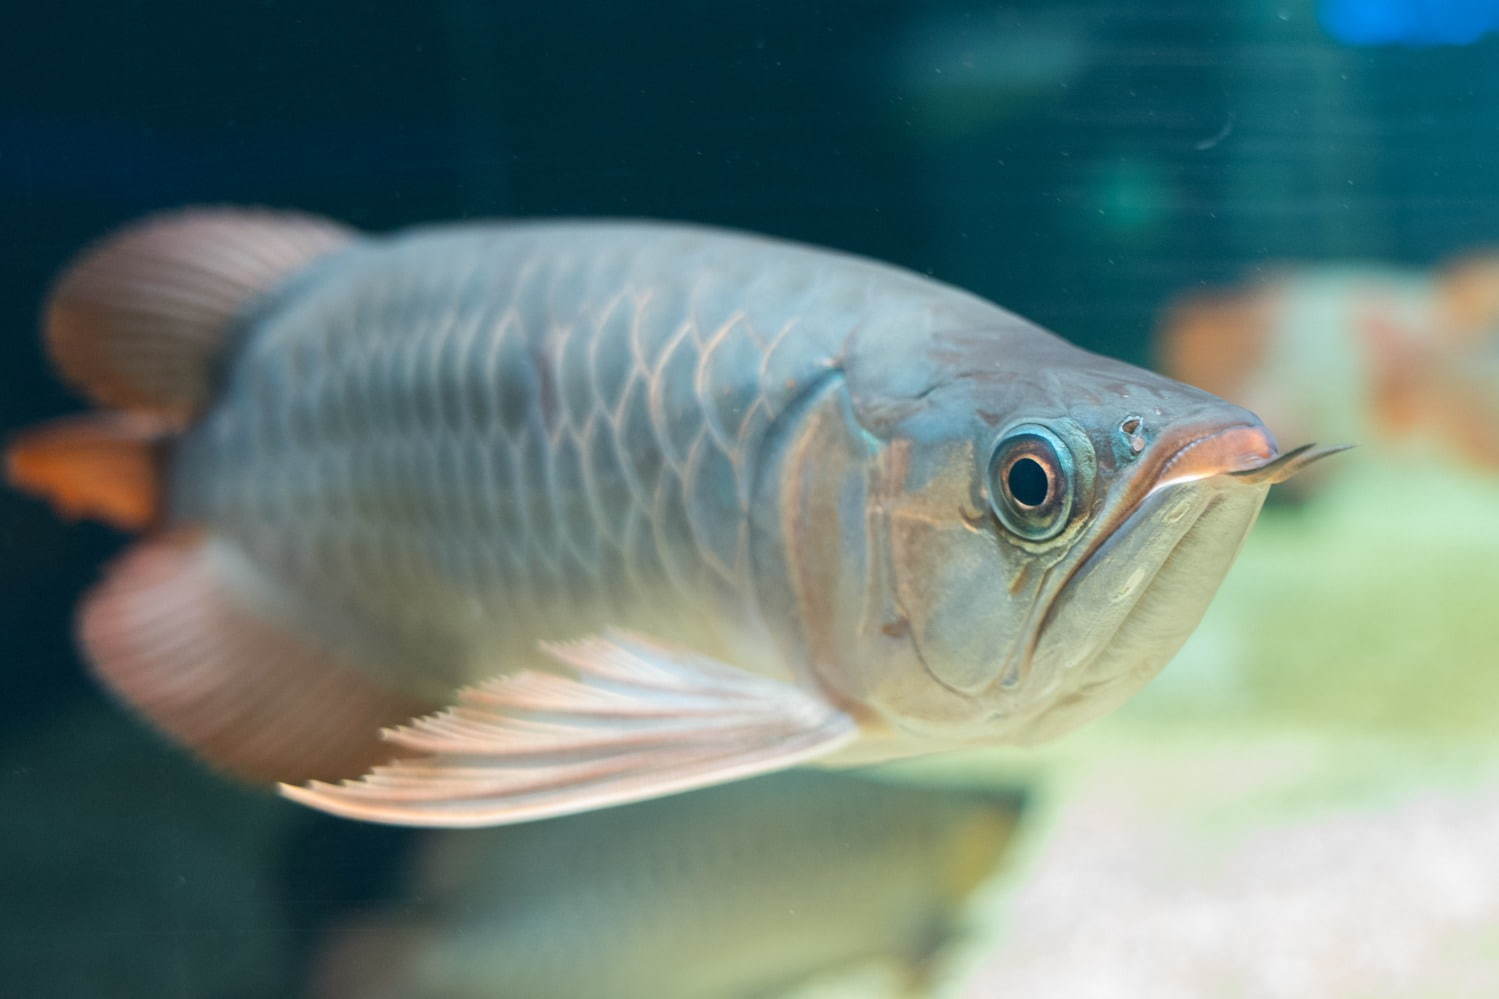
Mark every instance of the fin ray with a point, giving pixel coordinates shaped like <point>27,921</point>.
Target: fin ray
<point>139,320</point>
<point>489,763</point>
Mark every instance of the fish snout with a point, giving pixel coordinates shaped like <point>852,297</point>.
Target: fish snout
<point>1247,451</point>
<point>1207,451</point>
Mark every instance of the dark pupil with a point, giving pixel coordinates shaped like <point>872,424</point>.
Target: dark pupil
<point>1027,482</point>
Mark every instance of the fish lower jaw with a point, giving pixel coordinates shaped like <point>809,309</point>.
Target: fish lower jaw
<point>1116,627</point>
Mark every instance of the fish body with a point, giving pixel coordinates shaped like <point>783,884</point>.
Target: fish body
<point>451,445</point>
<point>782,502</point>
<point>740,890</point>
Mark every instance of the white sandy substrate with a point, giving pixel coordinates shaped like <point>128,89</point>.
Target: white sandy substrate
<point>1253,866</point>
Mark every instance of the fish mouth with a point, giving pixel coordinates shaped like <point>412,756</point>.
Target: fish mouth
<point>1135,600</point>
<point>1242,449</point>
<point>1186,454</point>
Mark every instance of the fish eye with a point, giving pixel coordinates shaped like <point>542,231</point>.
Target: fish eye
<point>1031,485</point>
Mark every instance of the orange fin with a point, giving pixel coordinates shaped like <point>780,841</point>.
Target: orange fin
<point>1215,342</point>
<point>637,721</point>
<point>106,466</point>
<point>140,320</point>
<point>167,632</point>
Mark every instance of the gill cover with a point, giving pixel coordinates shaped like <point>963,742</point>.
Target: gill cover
<point>974,527</point>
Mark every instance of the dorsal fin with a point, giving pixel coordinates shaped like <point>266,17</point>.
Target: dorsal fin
<point>139,320</point>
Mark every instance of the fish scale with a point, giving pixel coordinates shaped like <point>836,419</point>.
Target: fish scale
<point>566,437</point>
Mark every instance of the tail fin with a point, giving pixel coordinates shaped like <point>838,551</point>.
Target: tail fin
<point>106,466</point>
<point>139,323</point>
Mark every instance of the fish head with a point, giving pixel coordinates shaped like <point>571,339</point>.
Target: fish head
<point>1050,535</point>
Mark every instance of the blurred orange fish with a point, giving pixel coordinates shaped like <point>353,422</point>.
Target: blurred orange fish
<point>1356,353</point>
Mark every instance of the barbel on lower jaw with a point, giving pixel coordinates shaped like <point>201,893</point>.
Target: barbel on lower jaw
<point>1293,461</point>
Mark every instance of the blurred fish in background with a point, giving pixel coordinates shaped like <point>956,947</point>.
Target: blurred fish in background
<point>1392,359</point>
<point>782,883</point>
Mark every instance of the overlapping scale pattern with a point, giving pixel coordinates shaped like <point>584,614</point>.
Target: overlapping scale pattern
<point>457,439</point>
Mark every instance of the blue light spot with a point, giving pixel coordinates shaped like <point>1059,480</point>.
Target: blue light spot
<point>1409,22</point>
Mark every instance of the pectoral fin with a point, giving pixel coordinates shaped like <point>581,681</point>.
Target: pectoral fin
<point>636,720</point>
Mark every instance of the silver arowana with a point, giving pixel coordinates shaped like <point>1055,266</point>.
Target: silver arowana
<point>746,889</point>
<point>775,503</point>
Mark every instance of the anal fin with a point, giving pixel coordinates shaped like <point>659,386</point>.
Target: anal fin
<point>637,721</point>
<point>167,631</point>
